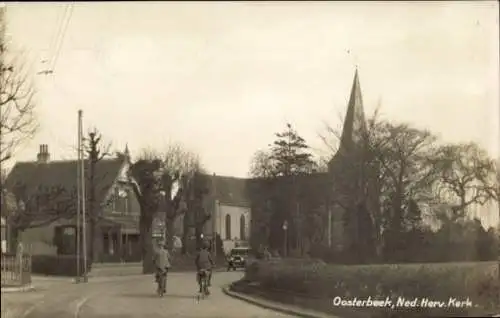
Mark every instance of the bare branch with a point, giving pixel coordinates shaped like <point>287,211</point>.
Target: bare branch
<point>467,174</point>
<point>262,165</point>
<point>43,205</point>
<point>18,122</point>
<point>95,148</point>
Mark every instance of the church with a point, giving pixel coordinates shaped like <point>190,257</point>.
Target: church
<point>330,209</point>
<point>319,209</point>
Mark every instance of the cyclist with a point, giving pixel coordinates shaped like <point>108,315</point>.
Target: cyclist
<point>204,263</point>
<point>162,263</point>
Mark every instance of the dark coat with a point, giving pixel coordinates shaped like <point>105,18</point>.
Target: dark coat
<point>162,258</point>
<point>204,260</point>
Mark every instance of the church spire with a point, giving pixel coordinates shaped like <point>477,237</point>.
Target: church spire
<point>126,152</point>
<point>354,121</point>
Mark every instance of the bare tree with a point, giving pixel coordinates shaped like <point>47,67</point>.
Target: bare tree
<point>96,150</point>
<point>157,174</point>
<point>27,208</point>
<point>262,165</point>
<point>17,108</point>
<point>178,171</point>
<point>405,157</point>
<point>466,174</point>
<point>144,171</point>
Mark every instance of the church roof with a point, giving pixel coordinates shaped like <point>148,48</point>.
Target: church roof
<point>230,190</point>
<point>355,116</point>
<point>354,122</point>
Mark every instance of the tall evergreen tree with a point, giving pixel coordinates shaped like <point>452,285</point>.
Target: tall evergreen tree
<point>290,153</point>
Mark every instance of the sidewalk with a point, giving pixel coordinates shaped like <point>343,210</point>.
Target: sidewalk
<point>37,282</point>
<point>15,301</point>
<point>15,304</point>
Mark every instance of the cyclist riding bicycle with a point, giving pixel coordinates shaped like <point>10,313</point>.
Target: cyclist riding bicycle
<point>162,264</point>
<point>204,264</point>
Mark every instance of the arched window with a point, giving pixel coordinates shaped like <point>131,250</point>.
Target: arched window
<point>228,227</point>
<point>242,228</point>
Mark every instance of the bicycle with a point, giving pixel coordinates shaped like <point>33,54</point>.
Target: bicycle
<point>162,283</point>
<point>203,276</point>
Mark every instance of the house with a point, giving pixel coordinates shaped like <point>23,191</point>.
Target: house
<point>47,192</point>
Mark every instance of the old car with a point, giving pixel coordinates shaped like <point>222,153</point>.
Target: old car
<point>237,258</point>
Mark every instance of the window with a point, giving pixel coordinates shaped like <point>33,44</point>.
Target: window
<point>228,227</point>
<point>242,228</point>
<point>121,201</point>
<point>65,240</point>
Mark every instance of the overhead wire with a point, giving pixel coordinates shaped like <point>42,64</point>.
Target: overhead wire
<point>54,52</point>
<point>56,35</point>
<point>47,63</point>
<point>69,11</point>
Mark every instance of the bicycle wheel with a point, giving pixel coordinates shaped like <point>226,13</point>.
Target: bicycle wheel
<point>203,285</point>
<point>161,285</point>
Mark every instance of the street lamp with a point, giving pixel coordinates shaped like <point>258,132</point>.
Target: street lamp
<point>285,243</point>
<point>163,196</point>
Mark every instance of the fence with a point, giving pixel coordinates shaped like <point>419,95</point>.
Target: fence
<point>16,270</point>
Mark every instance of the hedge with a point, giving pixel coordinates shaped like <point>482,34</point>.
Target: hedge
<point>438,281</point>
<point>57,265</point>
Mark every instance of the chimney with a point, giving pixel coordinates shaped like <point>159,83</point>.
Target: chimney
<point>43,154</point>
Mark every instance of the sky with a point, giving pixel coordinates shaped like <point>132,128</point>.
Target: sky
<point>222,77</point>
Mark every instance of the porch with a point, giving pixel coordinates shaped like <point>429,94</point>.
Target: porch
<point>119,244</point>
<point>114,241</point>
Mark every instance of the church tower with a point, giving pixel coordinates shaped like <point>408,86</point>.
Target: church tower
<point>351,186</point>
<point>354,122</point>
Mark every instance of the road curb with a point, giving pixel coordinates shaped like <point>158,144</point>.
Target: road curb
<point>17,289</point>
<point>286,309</point>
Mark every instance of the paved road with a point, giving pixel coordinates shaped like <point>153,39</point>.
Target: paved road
<point>135,297</point>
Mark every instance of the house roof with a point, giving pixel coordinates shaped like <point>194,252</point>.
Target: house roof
<point>33,176</point>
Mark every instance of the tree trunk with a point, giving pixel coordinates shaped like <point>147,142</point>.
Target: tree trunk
<point>185,235</point>
<point>147,245</point>
<point>93,251</point>
<point>169,232</point>
<point>198,231</point>
<point>13,239</point>
<point>96,243</point>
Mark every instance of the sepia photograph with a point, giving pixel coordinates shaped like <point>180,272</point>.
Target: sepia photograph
<point>219,159</point>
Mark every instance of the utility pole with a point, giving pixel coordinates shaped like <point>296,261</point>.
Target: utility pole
<point>214,216</point>
<point>79,202</point>
<point>82,189</point>
<point>329,227</point>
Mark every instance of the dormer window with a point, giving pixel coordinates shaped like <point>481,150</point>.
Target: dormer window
<point>121,201</point>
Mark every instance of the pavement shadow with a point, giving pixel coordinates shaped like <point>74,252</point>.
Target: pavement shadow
<point>153,295</point>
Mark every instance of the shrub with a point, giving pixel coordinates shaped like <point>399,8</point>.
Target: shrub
<point>438,281</point>
<point>58,265</point>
